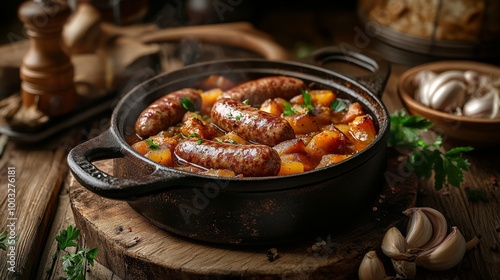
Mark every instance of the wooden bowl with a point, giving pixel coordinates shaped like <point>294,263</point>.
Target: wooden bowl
<point>476,132</point>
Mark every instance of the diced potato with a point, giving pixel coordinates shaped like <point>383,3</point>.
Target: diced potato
<point>302,123</point>
<point>363,131</point>
<point>292,167</point>
<point>299,157</point>
<point>141,147</point>
<point>154,143</point>
<point>162,156</point>
<point>208,99</point>
<point>272,106</point>
<point>298,99</point>
<point>326,142</point>
<point>322,97</point>
<point>344,128</point>
<point>194,127</point>
<point>290,147</point>
<point>323,115</point>
<point>319,97</point>
<point>330,159</point>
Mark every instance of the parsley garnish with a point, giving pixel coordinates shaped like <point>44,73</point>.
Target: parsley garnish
<point>193,135</point>
<point>338,105</point>
<point>187,104</point>
<point>307,101</point>
<point>405,130</point>
<point>3,240</point>
<point>74,263</point>
<point>200,140</point>
<point>288,110</point>
<point>151,144</point>
<point>6,240</point>
<point>246,101</point>
<point>238,117</point>
<point>424,158</point>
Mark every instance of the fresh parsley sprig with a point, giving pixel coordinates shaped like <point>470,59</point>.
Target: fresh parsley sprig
<point>288,110</point>
<point>3,240</point>
<point>427,159</point>
<point>152,145</point>
<point>6,240</point>
<point>187,104</point>
<point>338,105</point>
<point>307,101</point>
<point>74,263</point>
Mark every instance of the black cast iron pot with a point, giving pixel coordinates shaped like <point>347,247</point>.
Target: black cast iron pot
<point>247,211</point>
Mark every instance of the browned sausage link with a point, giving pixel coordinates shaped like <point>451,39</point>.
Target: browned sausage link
<point>251,123</point>
<point>259,90</point>
<point>165,112</point>
<point>247,160</point>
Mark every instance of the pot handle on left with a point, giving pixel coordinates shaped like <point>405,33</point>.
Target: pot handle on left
<point>380,69</point>
<point>105,146</point>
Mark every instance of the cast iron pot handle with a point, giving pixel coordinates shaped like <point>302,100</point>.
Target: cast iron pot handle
<point>105,146</point>
<point>380,68</point>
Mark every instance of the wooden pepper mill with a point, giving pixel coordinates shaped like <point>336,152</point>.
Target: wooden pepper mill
<point>46,72</point>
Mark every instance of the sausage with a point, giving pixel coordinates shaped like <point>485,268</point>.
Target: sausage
<point>165,112</point>
<point>250,123</point>
<point>248,160</point>
<point>259,90</point>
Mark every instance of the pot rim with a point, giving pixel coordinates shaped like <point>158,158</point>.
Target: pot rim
<point>112,143</point>
<point>359,158</point>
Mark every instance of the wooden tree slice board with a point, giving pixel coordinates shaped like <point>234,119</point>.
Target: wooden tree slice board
<point>143,251</point>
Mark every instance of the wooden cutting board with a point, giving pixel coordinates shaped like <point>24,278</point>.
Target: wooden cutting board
<point>135,249</point>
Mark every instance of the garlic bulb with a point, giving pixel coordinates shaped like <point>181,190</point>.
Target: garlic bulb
<point>431,246</point>
<point>459,92</point>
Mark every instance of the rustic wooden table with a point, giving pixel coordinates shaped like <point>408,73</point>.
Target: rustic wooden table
<point>41,205</point>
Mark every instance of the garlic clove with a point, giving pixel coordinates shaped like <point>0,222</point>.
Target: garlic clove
<point>448,96</point>
<point>394,245</point>
<point>404,269</point>
<point>480,107</point>
<point>422,81</point>
<point>472,77</point>
<point>439,225</point>
<point>485,106</point>
<point>446,255</point>
<point>372,268</point>
<point>443,78</point>
<point>419,230</point>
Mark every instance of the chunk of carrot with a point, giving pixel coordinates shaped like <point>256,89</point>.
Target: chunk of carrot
<point>162,156</point>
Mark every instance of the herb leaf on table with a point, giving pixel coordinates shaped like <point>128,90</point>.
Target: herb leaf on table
<point>74,263</point>
<point>426,159</point>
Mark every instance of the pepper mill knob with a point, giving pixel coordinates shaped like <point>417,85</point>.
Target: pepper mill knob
<point>46,72</point>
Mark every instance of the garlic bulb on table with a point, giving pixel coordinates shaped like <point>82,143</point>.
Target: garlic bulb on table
<point>459,92</point>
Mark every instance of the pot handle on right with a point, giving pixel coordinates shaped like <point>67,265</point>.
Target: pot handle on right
<point>380,69</point>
